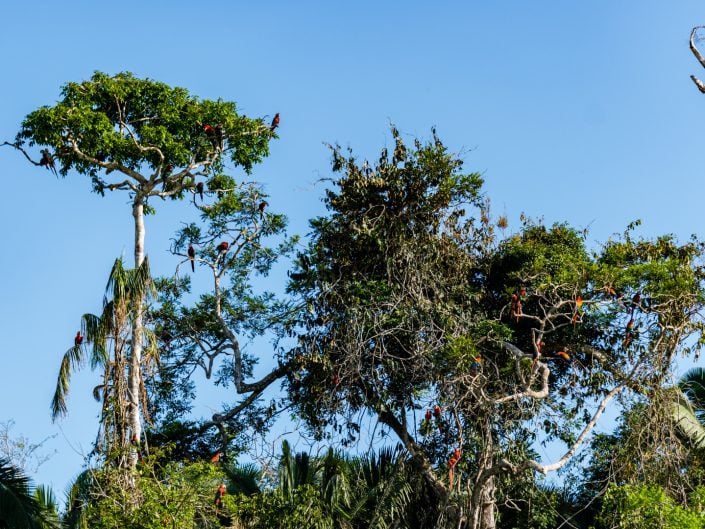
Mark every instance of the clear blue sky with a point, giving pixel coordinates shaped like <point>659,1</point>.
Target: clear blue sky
<point>576,111</point>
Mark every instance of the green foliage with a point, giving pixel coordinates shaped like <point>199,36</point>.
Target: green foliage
<point>177,495</point>
<point>19,507</point>
<point>647,507</point>
<point>130,125</point>
<point>302,507</point>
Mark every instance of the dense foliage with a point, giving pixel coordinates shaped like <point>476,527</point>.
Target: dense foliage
<point>407,320</point>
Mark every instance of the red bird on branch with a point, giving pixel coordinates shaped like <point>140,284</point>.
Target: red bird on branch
<point>191,255</point>
<point>78,340</point>
<point>222,247</point>
<point>428,415</point>
<point>199,190</point>
<point>47,161</point>
<point>437,411</point>
<point>210,132</point>
<point>565,356</point>
<point>261,207</point>
<point>275,122</point>
<point>219,496</point>
<point>217,457</point>
<point>451,468</point>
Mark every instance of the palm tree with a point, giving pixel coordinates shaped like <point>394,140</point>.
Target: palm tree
<point>19,508</point>
<point>110,337</point>
<point>689,406</point>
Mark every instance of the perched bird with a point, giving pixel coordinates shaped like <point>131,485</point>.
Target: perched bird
<point>199,190</point>
<point>275,122</point>
<point>563,355</point>
<point>47,161</point>
<point>261,207</point>
<point>217,457</point>
<point>101,156</point>
<point>219,136</point>
<point>222,247</point>
<point>437,411</point>
<point>210,134</point>
<point>78,340</point>
<point>476,364</point>
<point>517,311</point>
<point>428,415</point>
<point>451,468</point>
<point>192,254</point>
<point>219,496</point>
<point>576,313</point>
<point>335,379</point>
<point>456,454</point>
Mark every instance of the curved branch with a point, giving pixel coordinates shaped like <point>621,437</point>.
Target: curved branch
<point>698,56</point>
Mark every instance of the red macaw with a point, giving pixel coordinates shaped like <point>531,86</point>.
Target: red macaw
<point>222,247</point>
<point>216,458</point>
<point>78,340</point>
<point>275,122</point>
<point>47,161</point>
<point>563,355</point>
<point>437,411</point>
<point>219,496</point>
<point>451,468</point>
<point>261,207</point>
<point>192,254</point>
<point>428,415</point>
<point>210,133</point>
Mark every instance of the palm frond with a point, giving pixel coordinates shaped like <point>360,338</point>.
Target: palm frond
<point>687,422</point>
<point>18,507</point>
<point>72,359</point>
<point>243,479</point>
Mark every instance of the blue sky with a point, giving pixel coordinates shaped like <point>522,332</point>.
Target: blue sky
<point>576,111</point>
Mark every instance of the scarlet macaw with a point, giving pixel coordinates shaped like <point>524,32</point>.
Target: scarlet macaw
<point>219,496</point>
<point>222,247</point>
<point>78,340</point>
<point>191,254</point>
<point>47,161</point>
<point>275,122</point>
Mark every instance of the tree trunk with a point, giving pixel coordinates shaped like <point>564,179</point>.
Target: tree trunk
<point>483,503</point>
<point>487,504</point>
<point>135,371</point>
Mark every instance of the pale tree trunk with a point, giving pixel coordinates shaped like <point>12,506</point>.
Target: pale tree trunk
<point>135,369</point>
<point>483,503</point>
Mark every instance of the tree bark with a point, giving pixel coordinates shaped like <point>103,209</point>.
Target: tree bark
<point>135,371</point>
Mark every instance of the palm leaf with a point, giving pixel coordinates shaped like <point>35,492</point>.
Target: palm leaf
<point>687,422</point>
<point>18,508</point>
<point>72,360</point>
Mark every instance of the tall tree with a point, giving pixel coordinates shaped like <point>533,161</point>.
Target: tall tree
<point>415,306</point>
<point>149,139</point>
<point>107,336</point>
<point>236,241</point>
